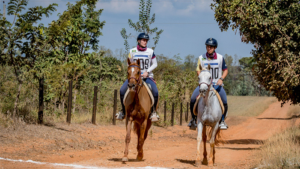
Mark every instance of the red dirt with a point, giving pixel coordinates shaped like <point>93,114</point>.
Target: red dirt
<point>103,146</point>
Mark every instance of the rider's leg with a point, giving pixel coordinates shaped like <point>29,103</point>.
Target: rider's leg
<point>223,96</point>
<point>121,114</point>
<point>192,123</point>
<point>154,117</point>
<point>193,101</point>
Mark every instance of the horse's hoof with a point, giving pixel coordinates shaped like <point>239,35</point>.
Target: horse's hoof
<point>204,162</point>
<point>139,158</point>
<point>124,159</point>
<point>211,163</point>
<point>197,163</point>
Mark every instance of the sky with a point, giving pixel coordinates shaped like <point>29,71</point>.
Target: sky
<point>186,25</point>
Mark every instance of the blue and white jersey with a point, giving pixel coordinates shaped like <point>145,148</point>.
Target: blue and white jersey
<point>146,59</point>
<point>217,65</point>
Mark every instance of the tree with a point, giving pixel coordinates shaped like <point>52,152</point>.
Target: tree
<point>143,25</point>
<point>71,58</point>
<point>273,27</point>
<point>21,40</point>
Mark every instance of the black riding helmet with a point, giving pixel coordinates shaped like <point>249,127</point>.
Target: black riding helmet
<point>211,42</point>
<point>143,36</point>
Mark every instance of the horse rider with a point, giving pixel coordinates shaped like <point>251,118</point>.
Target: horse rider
<point>148,64</point>
<point>218,72</point>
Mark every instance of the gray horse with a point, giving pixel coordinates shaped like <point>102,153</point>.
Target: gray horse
<point>209,115</point>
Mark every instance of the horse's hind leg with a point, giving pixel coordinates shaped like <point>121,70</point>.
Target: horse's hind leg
<point>127,139</point>
<point>141,140</point>
<point>199,139</point>
<point>212,145</point>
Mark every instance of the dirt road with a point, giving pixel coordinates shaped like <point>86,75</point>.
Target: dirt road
<point>172,147</point>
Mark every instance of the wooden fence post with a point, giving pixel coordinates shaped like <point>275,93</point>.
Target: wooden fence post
<point>172,115</point>
<point>69,102</point>
<point>95,104</point>
<point>187,112</point>
<point>181,114</point>
<point>115,107</point>
<point>41,101</point>
<point>165,111</point>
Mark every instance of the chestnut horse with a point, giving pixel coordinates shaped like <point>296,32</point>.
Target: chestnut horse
<point>138,107</point>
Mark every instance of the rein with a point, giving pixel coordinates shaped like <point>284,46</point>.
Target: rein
<point>137,80</point>
<point>208,85</point>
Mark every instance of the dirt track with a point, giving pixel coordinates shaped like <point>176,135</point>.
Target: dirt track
<point>173,147</point>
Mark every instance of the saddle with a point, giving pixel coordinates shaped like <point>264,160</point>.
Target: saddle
<point>149,89</point>
<point>198,98</point>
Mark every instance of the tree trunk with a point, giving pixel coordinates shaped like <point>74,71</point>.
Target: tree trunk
<point>17,101</point>
<point>63,106</point>
<point>55,101</point>
<point>75,93</point>
<point>41,101</point>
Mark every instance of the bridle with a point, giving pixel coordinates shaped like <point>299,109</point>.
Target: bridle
<point>208,85</point>
<point>137,80</point>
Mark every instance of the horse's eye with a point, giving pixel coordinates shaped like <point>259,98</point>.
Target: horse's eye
<point>138,72</point>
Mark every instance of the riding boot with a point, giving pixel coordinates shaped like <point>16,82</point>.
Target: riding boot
<point>193,122</point>
<point>123,107</point>
<point>225,112</point>
<point>192,104</point>
<point>154,116</point>
<point>223,125</point>
<point>121,114</point>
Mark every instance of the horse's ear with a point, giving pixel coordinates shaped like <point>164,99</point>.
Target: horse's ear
<point>208,67</point>
<point>200,67</point>
<point>128,61</point>
<point>138,62</point>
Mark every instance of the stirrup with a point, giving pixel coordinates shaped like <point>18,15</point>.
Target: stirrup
<point>120,116</point>
<point>223,126</point>
<point>154,117</point>
<point>192,124</point>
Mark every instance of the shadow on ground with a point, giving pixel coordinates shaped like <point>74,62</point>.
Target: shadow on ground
<point>244,141</point>
<point>192,162</point>
<point>120,160</point>
<point>290,118</point>
<point>232,148</point>
<point>53,126</point>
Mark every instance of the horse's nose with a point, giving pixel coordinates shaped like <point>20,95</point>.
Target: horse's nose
<point>131,85</point>
<point>201,90</point>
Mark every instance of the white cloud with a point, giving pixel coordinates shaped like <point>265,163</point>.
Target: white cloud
<point>119,6</point>
<point>164,7</point>
<point>181,7</point>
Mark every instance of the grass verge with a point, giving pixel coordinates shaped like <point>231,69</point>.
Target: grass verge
<point>281,150</point>
<point>248,106</point>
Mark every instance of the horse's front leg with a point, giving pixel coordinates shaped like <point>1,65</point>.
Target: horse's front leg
<point>199,139</point>
<point>204,137</point>
<point>211,160</point>
<point>127,139</point>
<point>141,140</point>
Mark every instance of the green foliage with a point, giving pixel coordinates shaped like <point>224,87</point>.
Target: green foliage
<point>143,25</point>
<point>273,26</point>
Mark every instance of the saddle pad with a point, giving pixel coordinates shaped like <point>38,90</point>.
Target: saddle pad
<point>149,92</point>
<point>198,98</point>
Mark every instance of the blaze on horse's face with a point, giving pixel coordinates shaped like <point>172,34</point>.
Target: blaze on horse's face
<point>204,80</point>
<point>133,74</point>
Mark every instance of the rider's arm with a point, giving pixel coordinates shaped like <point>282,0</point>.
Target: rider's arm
<point>224,69</point>
<point>154,64</point>
<point>198,69</point>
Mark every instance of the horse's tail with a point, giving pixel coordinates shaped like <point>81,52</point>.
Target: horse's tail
<point>218,137</point>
